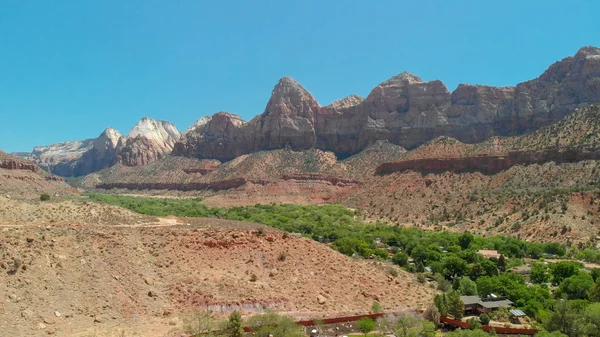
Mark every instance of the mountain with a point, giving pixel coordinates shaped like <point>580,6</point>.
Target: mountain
<point>404,110</point>
<point>148,140</point>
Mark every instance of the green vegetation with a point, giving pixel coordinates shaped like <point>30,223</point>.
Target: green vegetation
<point>274,324</point>
<point>570,305</point>
<point>44,197</point>
<point>339,225</point>
<point>365,325</point>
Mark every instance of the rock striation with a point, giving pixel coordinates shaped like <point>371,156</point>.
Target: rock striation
<point>404,110</point>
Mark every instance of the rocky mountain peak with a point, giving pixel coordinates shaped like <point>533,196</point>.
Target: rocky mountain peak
<point>346,102</point>
<point>588,52</point>
<point>403,78</point>
<point>111,135</point>
<point>155,130</point>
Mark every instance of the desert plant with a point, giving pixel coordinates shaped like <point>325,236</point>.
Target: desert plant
<point>44,197</point>
<point>233,326</point>
<point>376,307</point>
<point>282,256</point>
<point>253,278</point>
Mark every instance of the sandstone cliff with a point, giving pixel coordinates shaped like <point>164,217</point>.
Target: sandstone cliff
<point>575,138</point>
<point>404,110</point>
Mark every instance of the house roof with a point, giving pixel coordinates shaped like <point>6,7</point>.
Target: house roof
<point>496,304</point>
<point>468,300</point>
<point>490,302</point>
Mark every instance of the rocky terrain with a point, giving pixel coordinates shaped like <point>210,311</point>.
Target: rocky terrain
<point>575,138</point>
<point>405,110</point>
<point>23,179</point>
<point>539,186</point>
<point>147,141</point>
<point>77,268</point>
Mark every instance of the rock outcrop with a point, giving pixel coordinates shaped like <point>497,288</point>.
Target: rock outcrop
<point>404,110</point>
<point>149,140</point>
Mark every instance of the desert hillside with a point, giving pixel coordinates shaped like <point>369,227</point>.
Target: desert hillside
<point>101,269</point>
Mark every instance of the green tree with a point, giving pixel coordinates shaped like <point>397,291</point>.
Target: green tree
<point>594,293</point>
<point>456,306</point>
<point>454,266</point>
<point>489,268</point>
<point>539,273</point>
<point>441,303</point>
<point>577,286</point>
<point>400,259</point>
<point>467,287</point>
<point>233,326</point>
<point>592,318</point>
<point>567,318</point>
<point>420,254</point>
<point>502,263</point>
<point>365,325</point>
<point>562,270</point>
<point>277,325</point>
<point>465,240</point>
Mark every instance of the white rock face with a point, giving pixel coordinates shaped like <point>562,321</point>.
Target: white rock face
<point>159,131</point>
<point>200,122</point>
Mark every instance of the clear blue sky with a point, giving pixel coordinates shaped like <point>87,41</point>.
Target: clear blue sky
<point>70,68</point>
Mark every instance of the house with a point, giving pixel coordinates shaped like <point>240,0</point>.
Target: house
<point>478,305</point>
<point>488,254</point>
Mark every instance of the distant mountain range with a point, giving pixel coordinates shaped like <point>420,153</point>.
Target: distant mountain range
<point>403,110</point>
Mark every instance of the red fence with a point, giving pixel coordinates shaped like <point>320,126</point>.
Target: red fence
<point>487,328</point>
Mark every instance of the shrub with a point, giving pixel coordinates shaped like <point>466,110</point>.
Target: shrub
<point>253,278</point>
<point>392,271</point>
<point>45,197</point>
<point>400,259</point>
<point>376,307</point>
<point>282,256</point>
<point>421,278</point>
<point>484,319</point>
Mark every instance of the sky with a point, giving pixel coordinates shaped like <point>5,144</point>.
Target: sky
<point>71,68</point>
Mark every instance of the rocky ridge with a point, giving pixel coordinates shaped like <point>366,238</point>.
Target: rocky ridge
<point>573,139</point>
<point>404,110</point>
